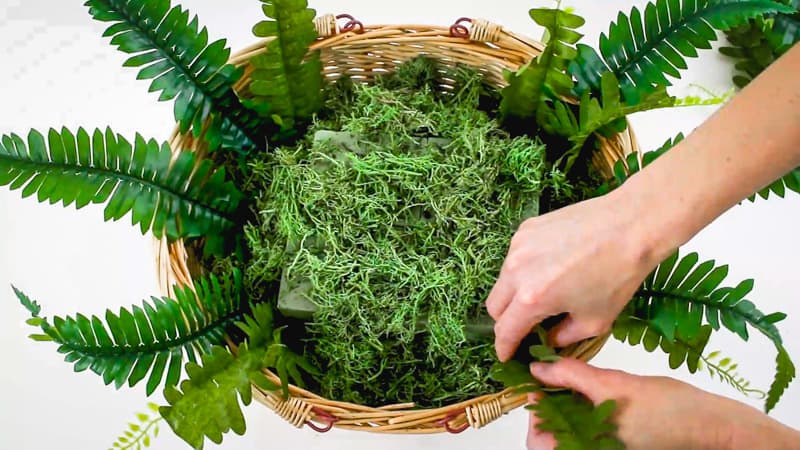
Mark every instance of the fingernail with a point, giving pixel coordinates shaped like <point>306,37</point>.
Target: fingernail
<point>539,369</point>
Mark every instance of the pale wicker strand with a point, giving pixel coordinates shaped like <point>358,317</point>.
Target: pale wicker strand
<point>483,413</point>
<point>485,31</point>
<point>325,25</point>
<point>295,411</point>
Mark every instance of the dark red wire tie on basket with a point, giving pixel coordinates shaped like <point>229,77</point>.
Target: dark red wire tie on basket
<point>325,417</point>
<point>351,24</point>
<point>458,29</point>
<point>446,423</point>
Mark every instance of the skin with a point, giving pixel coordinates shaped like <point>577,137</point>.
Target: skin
<point>651,409</point>
<point>587,259</point>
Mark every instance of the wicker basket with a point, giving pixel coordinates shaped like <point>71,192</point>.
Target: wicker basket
<point>362,53</point>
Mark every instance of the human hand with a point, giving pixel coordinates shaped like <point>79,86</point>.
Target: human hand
<point>586,260</point>
<point>660,413</point>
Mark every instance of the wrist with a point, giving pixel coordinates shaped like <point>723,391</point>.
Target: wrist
<point>763,433</point>
<point>653,223</point>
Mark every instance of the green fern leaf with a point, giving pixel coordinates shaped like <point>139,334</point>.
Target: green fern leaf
<point>642,49</point>
<point>785,374</point>
<point>634,328</point>
<point>139,435</point>
<point>207,403</point>
<point>682,292</point>
<point>174,52</point>
<point>545,76</point>
<point>287,81</point>
<point>606,115</point>
<point>575,423</point>
<point>150,340</point>
<point>174,198</point>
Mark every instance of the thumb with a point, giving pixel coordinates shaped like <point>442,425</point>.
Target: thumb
<point>576,375</point>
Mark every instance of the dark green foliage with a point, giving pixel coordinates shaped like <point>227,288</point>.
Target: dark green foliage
<point>756,44</point>
<point>287,82</point>
<point>174,52</point>
<point>785,30</point>
<point>140,434</point>
<point>207,403</point>
<point>642,49</point>
<point>681,292</point>
<point>544,77</point>
<point>153,339</point>
<point>784,375</point>
<point>576,423</point>
<point>626,167</point>
<point>750,49</point>
<point>606,115</point>
<point>634,328</point>
<point>176,199</point>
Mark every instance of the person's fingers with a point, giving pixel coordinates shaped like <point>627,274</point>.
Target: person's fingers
<point>500,296</point>
<point>571,330</point>
<point>514,324</point>
<point>537,439</point>
<point>574,374</point>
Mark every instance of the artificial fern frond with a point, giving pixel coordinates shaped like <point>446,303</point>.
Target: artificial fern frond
<point>174,52</point>
<point>785,373</point>
<point>139,435</point>
<point>207,404</point>
<point>640,50</point>
<point>545,76</point>
<point>606,115</point>
<point>750,50</point>
<point>680,292</point>
<point>174,198</point>
<point>575,423</point>
<point>724,369</point>
<point>147,340</point>
<point>287,81</point>
<point>784,31</point>
<point>636,330</point>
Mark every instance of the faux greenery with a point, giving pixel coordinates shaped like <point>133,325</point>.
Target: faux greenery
<point>420,205</point>
<point>387,208</point>
<point>140,433</point>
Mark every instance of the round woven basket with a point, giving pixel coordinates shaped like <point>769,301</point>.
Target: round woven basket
<point>362,52</point>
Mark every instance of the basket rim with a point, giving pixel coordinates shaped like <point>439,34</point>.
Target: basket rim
<point>305,407</point>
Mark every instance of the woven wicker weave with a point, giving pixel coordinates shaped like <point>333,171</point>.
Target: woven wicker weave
<point>362,53</point>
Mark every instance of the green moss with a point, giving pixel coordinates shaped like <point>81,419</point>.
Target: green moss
<point>394,214</point>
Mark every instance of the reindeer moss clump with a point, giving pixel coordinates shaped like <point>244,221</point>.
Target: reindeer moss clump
<point>393,217</point>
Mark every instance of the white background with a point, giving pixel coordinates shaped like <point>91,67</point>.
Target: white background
<point>56,70</point>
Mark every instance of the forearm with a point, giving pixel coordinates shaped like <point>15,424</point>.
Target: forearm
<point>764,433</point>
<point>747,144</point>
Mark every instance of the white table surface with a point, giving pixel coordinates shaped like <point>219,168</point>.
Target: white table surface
<point>56,70</point>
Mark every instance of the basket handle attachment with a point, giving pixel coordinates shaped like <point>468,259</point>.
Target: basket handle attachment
<point>446,423</point>
<point>351,23</point>
<point>324,416</point>
<point>327,25</point>
<point>480,30</point>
